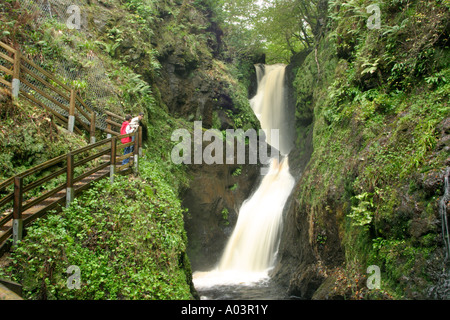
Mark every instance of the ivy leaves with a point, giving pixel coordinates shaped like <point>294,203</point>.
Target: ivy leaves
<point>126,238</point>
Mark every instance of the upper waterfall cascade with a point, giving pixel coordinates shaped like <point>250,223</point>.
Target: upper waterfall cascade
<point>251,250</point>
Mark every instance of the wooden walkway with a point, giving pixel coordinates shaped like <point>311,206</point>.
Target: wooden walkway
<point>99,160</point>
<point>107,156</point>
<point>23,77</point>
<point>53,202</point>
<point>26,79</point>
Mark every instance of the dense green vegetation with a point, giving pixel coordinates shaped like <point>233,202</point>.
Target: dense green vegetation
<point>126,238</point>
<point>372,103</point>
<point>379,98</point>
<point>279,28</point>
<point>28,138</point>
<point>130,245</point>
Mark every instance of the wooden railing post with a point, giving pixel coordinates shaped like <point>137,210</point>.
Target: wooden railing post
<point>136,151</point>
<point>71,122</point>
<point>140,141</point>
<point>17,210</point>
<point>92,133</point>
<point>112,168</point>
<point>69,186</point>
<point>15,84</point>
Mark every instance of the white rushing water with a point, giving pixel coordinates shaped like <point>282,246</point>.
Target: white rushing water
<point>251,250</point>
<point>270,105</point>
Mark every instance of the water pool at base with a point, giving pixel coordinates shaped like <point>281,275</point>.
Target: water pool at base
<point>264,290</point>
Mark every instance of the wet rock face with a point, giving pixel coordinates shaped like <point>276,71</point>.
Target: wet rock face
<point>188,93</point>
<point>213,199</point>
<point>310,242</point>
<point>188,81</point>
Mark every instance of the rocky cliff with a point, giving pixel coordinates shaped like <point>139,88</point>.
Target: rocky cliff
<point>372,122</point>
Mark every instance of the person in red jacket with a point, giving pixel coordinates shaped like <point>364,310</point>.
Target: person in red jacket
<point>126,129</point>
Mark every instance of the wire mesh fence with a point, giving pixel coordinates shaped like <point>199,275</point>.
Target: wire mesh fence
<point>6,67</point>
<point>97,90</point>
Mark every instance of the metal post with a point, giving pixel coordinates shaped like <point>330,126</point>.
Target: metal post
<point>136,151</point>
<point>69,186</point>
<point>17,210</point>
<point>108,126</point>
<point>140,141</point>
<point>71,122</point>
<point>15,84</point>
<point>92,133</point>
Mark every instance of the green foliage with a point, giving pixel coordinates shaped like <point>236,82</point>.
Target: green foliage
<point>136,92</point>
<point>225,213</point>
<point>282,27</point>
<point>127,238</point>
<point>399,257</point>
<point>243,117</point>
<point>362,214</point>
<point>14,21</point>
<point>378,99</point>
<point>237,172</point>
<point>27,138</point>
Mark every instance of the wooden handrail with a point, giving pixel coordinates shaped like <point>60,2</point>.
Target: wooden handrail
<point>114,115</point>
<point>123,146</point>
<point>43,197</point>
<point>21,71</point>
<point>91,146</point>
<point>91,172</point>
<point>20,205</point>
<point>112,132</point>
<point>6,57</point>
<point>46,83</point>
<point>24,70</point>
<point>6,47</point>
<point>92,157</point>
<point>6,83</point>
<point>6,183</point>
<point>5,219</point>
<point>6,199</point>
<point>113,123</point>
<point>45,95</point>
<point>44,179</point>
<point>39,103</point>
<point>42,166</point>
<point>85,114</point>
<point>46,73</point>
<point>6,70</point>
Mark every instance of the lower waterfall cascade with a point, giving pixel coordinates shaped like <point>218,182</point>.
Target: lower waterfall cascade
<point>252,248</point>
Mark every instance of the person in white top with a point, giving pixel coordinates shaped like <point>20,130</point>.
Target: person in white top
<point>134,123</point>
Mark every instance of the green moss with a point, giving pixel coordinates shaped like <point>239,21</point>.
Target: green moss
<point>29,138</point>
<point>127,239</point>
<point>377,105</point>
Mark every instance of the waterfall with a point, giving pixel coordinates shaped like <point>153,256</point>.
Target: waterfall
<point>270,106</point>
<point>251,250</point>
<point>441,290</point>
<point>443,213</point>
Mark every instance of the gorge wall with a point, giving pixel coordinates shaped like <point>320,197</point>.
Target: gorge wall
<point>372,154</point>
<point>215,194</point>
<point>370,159</point>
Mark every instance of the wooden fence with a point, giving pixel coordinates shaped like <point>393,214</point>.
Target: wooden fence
<point>45,90</point>
<point>105,153</point>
